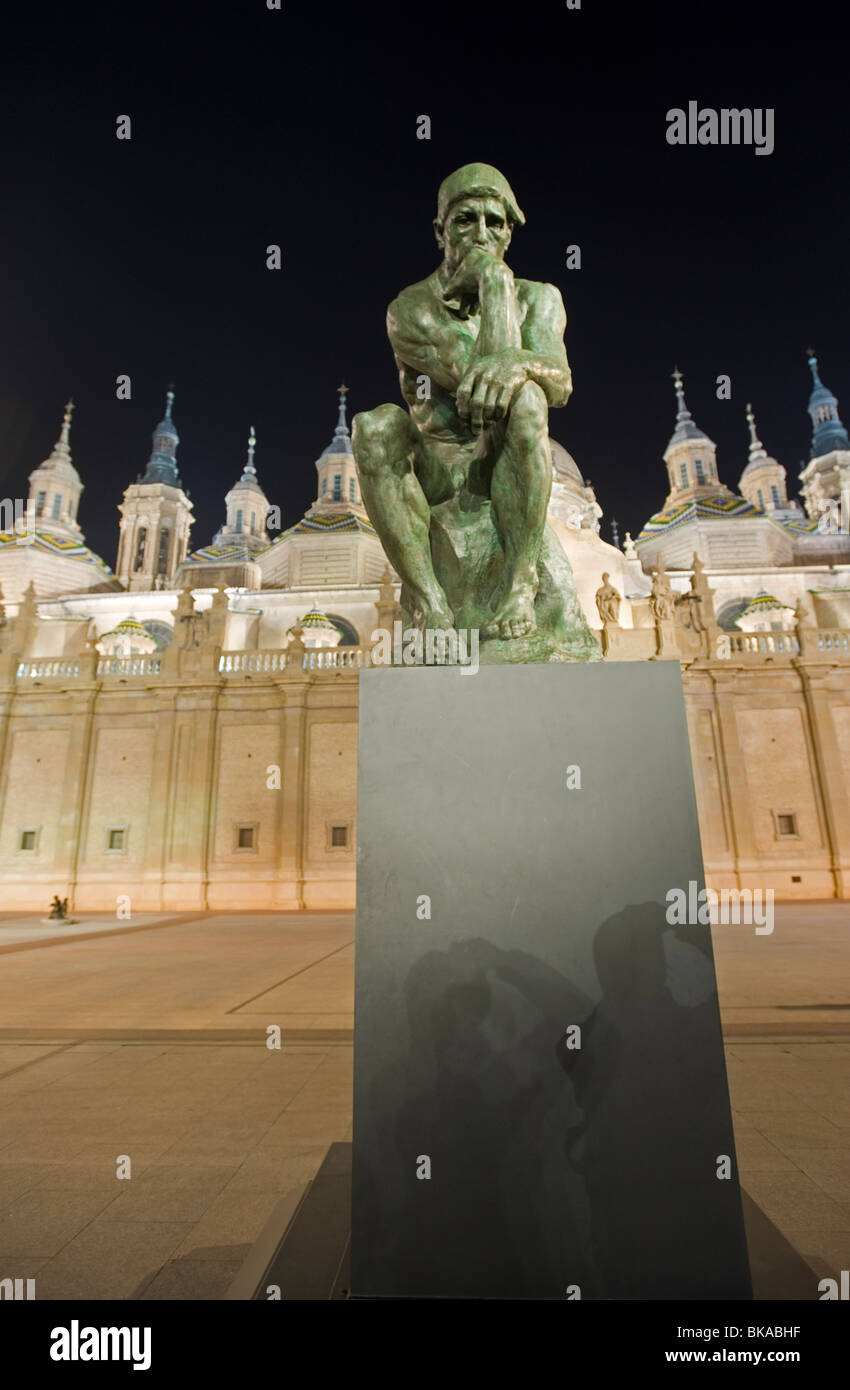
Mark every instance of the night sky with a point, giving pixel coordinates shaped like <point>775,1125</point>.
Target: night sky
<point>298,127</point>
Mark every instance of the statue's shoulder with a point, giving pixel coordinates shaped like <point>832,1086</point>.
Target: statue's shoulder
<point>539,293</point>
<point>414,304</point>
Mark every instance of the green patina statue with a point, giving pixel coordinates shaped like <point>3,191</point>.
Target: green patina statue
<point>458,486</point>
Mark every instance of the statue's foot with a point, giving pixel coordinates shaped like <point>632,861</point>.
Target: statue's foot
<point>436,617</point>
<point>514,616</point>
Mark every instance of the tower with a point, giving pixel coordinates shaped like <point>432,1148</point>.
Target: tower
<point>763,481</point>
<point>230,560</point>
<point>827,474</point>
<point>55,488</point>
<point>156,515</point>
<point>247,506</point>
<point>339,485</point>
<point>691,457</point>
<point>334,543</point>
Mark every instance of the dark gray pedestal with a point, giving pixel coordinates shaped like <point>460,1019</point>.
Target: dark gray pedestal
<point>311,1255</point>
<point>550,1166</point>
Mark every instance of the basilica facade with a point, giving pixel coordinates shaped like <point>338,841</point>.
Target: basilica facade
<point>180,732</point>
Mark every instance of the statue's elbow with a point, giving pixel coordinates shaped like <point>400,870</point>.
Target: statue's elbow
<point>563,391</point>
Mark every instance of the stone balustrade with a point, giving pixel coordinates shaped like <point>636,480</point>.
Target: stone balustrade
<point>784,643</point>
<point>125,666</point>
<point>623,644</point>
<point>251,663</point>
<point>48,668</point>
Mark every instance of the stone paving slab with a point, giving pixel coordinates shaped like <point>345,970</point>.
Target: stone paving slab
<point>220,1128</point>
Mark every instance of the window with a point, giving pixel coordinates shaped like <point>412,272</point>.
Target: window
<point>338,836</point>
<point>774,493</point>
<point>253,523</point>
<point>700,467</point>
<point>349,637</point>
<point>40,499</point>
<point>29,840</point>
<point>786,825</point>
<point>760,496</point>
<point>56,511</point>
<point>141,542</point>
<point>246,837</point>
<point>239,519</point>
<point>683,474</point>
<point>352,490</point>
<point>162,558</point>
<point>337,487</point>
<point>116,839</point>
<point>324,485</point>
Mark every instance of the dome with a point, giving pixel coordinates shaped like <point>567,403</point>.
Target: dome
<point>564,464</point>
<point>315,618</point>
<point>761,603</point>
<point>52,543</point>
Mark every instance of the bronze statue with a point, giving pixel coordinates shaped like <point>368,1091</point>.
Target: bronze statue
<point>457,486</point>
<point>58,909</point>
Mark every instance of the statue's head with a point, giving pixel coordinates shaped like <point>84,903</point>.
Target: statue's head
<point>475,207</point>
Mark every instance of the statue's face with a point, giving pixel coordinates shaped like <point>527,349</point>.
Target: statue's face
<point>478,222</point>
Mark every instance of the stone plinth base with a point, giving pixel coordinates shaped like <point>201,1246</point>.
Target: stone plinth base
<point>541,1107</point>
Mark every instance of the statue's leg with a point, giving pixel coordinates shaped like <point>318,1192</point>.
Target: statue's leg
<point>519,489</point>
<point>386,445</point>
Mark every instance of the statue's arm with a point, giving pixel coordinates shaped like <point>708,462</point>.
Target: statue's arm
<point>422,346</point>
<point>543,342</point>
<point>491,381</point>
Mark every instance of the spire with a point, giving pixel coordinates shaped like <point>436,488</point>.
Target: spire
<point>341,442</point>
<point>60,454</point>
<point>757,449</point>
<point>162,464</point>
<point>249,472</point>
<point>685,427</point>
<point>828,432</point>
<point>65,435</point>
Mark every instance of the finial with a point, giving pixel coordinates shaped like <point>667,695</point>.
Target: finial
<point>615,532</point>
<point>169,400</point>
<point>751,421</point>
<point>813,363</point>
<point>250,470</point>
<point>66,423</point>
<point>683,412</point>
<point>342,422</point>
<point>757,449</point>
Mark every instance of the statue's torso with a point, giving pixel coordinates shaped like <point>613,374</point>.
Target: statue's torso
<point>452,329</point>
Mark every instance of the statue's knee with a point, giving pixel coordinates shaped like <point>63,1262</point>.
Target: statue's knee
<point>528,417</point>
<point>372,428</point>
<point>373,433</point>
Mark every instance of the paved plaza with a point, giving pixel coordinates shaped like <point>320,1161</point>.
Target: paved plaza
<point>147,1040</point>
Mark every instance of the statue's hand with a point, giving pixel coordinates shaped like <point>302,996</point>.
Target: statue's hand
<point>487,389</point>
<point>476,266</point>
